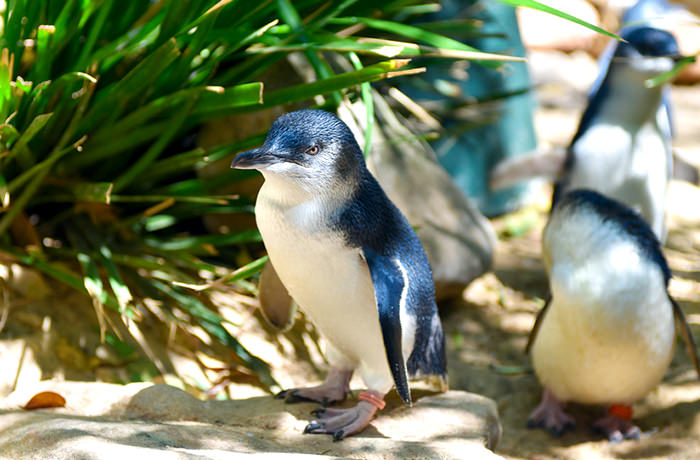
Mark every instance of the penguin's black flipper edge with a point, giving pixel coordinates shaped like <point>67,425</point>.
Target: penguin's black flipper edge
<point>536,327</point>
<point>389,286</point>
<point>687,335</point>
<point>276,305</point>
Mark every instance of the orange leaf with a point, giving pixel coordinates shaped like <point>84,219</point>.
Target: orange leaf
<point>45,399</point>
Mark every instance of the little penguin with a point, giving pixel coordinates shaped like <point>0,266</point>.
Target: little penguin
<point>622,147</point>
<point>606,334</point>
<point>352,263</point>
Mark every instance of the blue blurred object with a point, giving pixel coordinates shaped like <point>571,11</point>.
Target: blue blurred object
<point>501,125</point>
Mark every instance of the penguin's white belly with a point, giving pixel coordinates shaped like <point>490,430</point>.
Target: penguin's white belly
<point>331,284</point>
<point>609,332</point>
<point>631,167</point>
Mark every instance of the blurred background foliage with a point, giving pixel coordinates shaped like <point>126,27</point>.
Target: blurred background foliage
<point>104,186</point>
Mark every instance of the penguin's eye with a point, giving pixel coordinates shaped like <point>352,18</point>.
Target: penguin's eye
<point>313,150</point>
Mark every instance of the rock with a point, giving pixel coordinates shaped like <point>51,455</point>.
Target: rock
<point>457,238</point>
<point>23,281</point>
<point>105,421</point>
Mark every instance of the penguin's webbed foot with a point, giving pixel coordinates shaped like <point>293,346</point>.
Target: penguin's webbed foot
<point>550,415</point>
<point>334,389</point>
<point>311,394</point>
<point>341,423</point>
<point>616,426</point>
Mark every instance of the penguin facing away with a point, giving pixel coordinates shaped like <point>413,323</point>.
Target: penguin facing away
<point>622,147</point>
<point>606,334</point>
<point>352,263</point>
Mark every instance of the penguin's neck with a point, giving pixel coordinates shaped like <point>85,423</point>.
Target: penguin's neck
<point>286,193</point>
<point>629,101</point>
<point>299,204</point>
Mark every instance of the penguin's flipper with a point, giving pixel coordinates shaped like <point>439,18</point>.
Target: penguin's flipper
<point>687,335</point>
<point>389,288</point>
<point>276,304</point>
<point>538,322</point>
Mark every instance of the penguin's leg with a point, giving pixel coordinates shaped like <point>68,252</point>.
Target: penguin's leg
<point>617,424</point>
<point>341,423</point>
<point>334,389</point>
<point>550,415</point>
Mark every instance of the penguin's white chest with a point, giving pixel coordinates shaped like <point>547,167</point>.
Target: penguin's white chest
<point>609,332</point>
<point>629,164</point>
<point>329,280</point>
<point>618,161</point>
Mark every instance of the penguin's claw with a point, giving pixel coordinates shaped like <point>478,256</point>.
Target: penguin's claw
<point>550,415</point>
<point>313,425</point>
<point>283,394</point>
<point>334,389</point>
<point>293,396</point>
<point>616,429</point>
<point>341,423</point>
<point>320,394</point>
<point>326,413</point>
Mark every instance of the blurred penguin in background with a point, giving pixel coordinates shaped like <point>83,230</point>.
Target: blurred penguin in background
<point>622,148</point>
<point>659,14</point>
<point>606,334</point>
<point>649,13</point>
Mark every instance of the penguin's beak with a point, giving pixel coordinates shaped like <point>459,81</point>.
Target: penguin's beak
<point>254,159</point>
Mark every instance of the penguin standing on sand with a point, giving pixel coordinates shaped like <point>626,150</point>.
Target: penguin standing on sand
<point>606,335</point>
<point>622,148</point>
<point>351,262</point>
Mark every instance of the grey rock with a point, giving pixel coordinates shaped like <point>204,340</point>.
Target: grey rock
<point>105,421</point>
<point>23,282</point>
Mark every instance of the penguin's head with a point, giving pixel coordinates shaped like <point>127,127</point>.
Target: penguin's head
<point>311,147</point>
<point>648,51</point>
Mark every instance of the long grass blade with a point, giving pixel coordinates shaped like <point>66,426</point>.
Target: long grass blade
<point>94,288</point>
<point>156,149</point>
<point>244,272</point>
<point>369,105</point>
<point>191,243</point>
<point>548,9</point>
<point>19,150</point>
<point>671,74</point>
<point>420,35</point>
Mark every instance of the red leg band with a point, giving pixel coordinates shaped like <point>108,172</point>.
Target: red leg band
<point>374,400</point>
<point>620,410</point>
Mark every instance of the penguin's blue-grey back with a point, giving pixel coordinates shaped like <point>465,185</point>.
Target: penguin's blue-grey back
<point>370,220</point>
<point>625,219</point>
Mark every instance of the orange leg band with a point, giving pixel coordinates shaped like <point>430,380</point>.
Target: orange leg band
<point>372,399</point>
<point>620,410</point>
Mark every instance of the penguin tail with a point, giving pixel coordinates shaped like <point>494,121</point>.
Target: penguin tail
<point>428,359</point>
